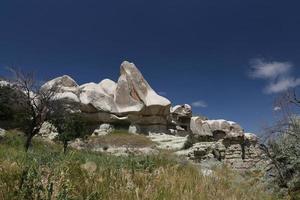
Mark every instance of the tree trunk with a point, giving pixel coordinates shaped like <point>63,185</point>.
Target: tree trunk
<point>65,146</point>
<point>29,138</point>
<point>28,142</point>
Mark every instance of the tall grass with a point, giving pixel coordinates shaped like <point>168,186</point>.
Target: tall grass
<point>46,173</point>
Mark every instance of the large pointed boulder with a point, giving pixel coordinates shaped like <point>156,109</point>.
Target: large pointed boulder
<point>134,94</point>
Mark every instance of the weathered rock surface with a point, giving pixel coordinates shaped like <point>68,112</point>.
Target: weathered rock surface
<point>180,120</point>
<point>215,129</point>
<point>222,140</point>
<point>182,110</point>
<point>98,97</point>
<point>48,131</point>
<point>129,101</point>
<point>134,94</point>
<point>166,141</point>
<point>199,128</point>
<point>103,129</point>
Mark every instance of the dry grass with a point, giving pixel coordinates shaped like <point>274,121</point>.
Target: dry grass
<point>122,139</point>
<point>46,173</point>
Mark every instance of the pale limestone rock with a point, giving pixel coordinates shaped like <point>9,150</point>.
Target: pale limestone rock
<point>217,129</point>
<point>200,128</point>
<point>98,97</point>
<point>103,129</point>
<point>67,92</point>
<point>184,110</point>
<point>223,125</point>
<point>63,84</point>
<point>133,129</point>
<point>251,137</point>
<point>166,141</point>
<point>67,97</point>
<point>48,131</point>
<point>134,94</point>
<point>180,119</point>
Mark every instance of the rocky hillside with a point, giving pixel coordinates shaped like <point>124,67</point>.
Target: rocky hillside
<point>131,104</point>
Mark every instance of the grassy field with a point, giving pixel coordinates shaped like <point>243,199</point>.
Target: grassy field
<point>46,173</point>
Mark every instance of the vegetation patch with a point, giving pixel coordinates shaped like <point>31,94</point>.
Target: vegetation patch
<point>121,139</point>
<point>45,172</point>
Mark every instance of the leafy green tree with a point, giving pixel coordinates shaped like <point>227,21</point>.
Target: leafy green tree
<point>69,125</point>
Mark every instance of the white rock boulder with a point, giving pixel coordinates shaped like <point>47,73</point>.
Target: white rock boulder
<point>200,128</point>
<point>48,131</point>
<point>251,137</point>
<point>103,129</point>
<point>134,94</point>
<point>184,110</point>
<point>98,97</point>
<point>67,89</point>
<point>219,129</point>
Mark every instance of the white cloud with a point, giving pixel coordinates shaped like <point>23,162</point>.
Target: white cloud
<point>267,70</point>
<point>277,108</point>
<point>282,85</point>
<point>199,104</point>
<point>277,75</point>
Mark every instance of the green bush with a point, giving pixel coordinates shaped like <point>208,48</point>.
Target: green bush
<point>285,153</point>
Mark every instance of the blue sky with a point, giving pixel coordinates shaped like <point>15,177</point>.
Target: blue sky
<point>230,58</point>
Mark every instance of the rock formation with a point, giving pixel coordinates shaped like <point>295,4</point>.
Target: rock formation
<point>131,103</point>
<point>223,141</point>
<point>180,120</point>
<point>48,131</point>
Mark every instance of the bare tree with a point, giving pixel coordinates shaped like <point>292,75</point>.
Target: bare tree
<point>283,141</point>
<point>293,98</point>
<point>37,102</point>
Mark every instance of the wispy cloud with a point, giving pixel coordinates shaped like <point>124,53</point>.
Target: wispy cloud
<point>268,70</point>
<point>199,104</point>
<point>277,75</point>
<point>282,84</point>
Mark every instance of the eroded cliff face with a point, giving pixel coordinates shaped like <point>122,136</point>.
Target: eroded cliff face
<point>132,103</point>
